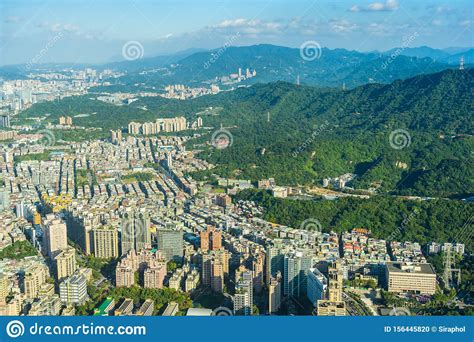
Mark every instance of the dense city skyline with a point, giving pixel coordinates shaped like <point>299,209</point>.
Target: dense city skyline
<point>272,176</point>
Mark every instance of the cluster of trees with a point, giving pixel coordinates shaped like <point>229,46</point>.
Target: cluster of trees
<point>385,216</point>
<point>161,297</point>
<point>84,177</point>
<point>138,177</point>
<point>300,134</point>
<point>18,250</point>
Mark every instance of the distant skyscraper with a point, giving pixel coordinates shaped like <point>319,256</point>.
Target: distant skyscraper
<point>243,298</point>
<point>135,232</point>
<point>170,243</point>
<point>4,199</point>
<point>55,235</point>
<point>116,136</point>
<point>73,290</point>
<point>105,242</point>
<point>65,263</point>
<point>273,263</point>
<point>5,121</point>
<point>274,293</point>
<point>211,239</point>
<point>296,267</point>
<point>317,286</point>
<point>215,266</point>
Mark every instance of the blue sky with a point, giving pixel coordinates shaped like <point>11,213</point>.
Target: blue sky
<point>95,31</point>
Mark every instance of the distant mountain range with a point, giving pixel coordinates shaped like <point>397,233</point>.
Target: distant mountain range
<point>448,56</point>
<point>332,68</point>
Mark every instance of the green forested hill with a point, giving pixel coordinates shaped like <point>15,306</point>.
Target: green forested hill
<point>314,133</point>
<point>386,217</point>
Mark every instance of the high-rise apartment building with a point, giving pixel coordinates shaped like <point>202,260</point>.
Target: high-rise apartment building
<point>135,233</point>
<point>4,288</point>
<point>316,286</point>
<point>335,277</point>
<point>124,276</point>
<point>258,266</point>
<point>160,125</point>
<point>147,261</point>
<point>296,268</point>
<point>4,199</point>
<point>55,235</point>
<point>243,298</point>
<point>116,136</point>
<point>65,263</point>
<point>105,242</point>
<point>73,290</point>
<point>170,243</point>
<point>153,277</point>
<point>274,262</point>
<point>274,293</point>
<point>211,239</point>
<point>214,266</point>
<point>334,305</point>
<point>5,121</point>
<point>33,278</point>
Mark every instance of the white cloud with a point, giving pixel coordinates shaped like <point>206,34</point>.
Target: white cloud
<point>354,8</point>
<point>343,26</point>
<point>388,5</point>
<point>57,27</point>
<point>249,26</point>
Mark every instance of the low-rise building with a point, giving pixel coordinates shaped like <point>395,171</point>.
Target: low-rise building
<point>410,278</point>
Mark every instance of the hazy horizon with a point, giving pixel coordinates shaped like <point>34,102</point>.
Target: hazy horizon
<point>95,33</point>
